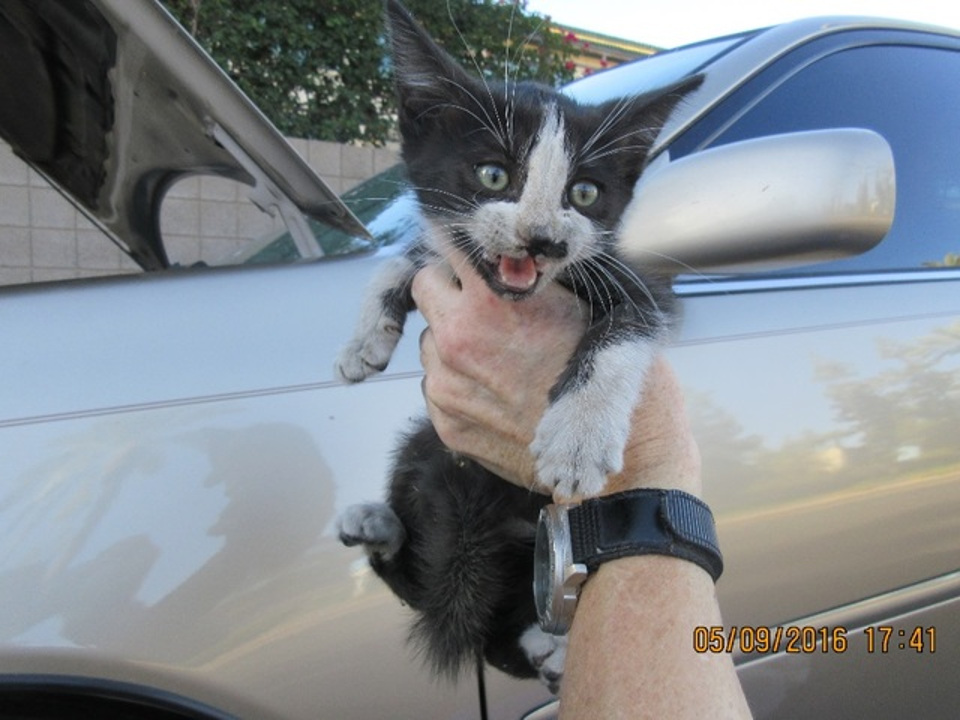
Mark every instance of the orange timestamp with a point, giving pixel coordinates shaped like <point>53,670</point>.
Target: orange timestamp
<point>796,639</point>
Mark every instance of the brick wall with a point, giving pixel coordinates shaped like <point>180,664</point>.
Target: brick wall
<point>43,237</point>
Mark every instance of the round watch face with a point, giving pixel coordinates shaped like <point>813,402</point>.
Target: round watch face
<point>543,572</point>
<point>556,578</point>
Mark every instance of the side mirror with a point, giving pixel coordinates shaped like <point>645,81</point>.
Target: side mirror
<point>764,203</point>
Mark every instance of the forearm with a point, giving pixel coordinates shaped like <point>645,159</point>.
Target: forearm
<point>632,636</point>
<point>632,640</point>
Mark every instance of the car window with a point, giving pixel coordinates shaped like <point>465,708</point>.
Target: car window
<point>909,95</point>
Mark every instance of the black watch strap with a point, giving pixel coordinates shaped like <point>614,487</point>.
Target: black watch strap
<point>645,521</point>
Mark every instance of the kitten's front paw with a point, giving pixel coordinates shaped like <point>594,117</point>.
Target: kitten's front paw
<point>546,654</point>
<point>577,448</point>
<point>366,356</point>
<point>375,526</point>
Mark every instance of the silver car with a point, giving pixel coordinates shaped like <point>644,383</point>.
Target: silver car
<point>174,448</point>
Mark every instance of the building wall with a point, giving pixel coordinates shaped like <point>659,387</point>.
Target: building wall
<point>43,237</point>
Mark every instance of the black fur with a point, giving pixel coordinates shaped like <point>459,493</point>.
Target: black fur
<point>466,565</point>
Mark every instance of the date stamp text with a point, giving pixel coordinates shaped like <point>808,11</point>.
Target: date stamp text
<point>807,639</point>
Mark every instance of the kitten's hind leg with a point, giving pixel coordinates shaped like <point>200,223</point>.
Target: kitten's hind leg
<point>385,308</point>
<point>373,525</point>
<point>546,654</point>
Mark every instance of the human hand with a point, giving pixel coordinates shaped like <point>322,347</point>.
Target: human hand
<point>490,364</point>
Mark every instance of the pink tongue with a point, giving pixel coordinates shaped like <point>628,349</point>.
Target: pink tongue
<point>518,273</point>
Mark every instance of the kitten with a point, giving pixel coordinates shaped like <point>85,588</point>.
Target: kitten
<point>530,186</point>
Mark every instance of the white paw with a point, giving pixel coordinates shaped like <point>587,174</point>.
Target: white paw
<point>375,526</point>
<point>577,449</point>
<point>546,654</point>
<point>368,354</point>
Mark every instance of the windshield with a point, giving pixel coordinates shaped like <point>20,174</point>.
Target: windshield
<point>384,204</point>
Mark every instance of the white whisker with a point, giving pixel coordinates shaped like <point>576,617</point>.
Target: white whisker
<point>631,275</point>
<point>618,111</point>
<point>499,131</point>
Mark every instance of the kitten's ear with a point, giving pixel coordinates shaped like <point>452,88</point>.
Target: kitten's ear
<point>427,78</point>
<point>649,112</point>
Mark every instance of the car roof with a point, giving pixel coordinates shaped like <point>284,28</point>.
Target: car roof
<point>113,102</point>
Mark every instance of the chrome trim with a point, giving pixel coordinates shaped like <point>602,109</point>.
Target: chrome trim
<point>871,611</point>
<point>721,285</point>
<point>550,711</point>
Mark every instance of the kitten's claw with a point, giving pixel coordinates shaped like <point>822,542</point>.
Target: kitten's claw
<point>546,654</point>
<point>375,526</point>
<point>367,355</point>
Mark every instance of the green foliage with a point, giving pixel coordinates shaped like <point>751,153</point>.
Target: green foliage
<point>319,68</point>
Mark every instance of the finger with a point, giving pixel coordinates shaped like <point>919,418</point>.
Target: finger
<point>429,286</point>
<point>428,351</point>
<point>465,275</point>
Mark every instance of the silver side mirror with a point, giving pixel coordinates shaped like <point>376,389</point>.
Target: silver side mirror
<point>763,203</point>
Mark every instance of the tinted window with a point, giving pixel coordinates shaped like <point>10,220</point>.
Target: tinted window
<point>910,96</point>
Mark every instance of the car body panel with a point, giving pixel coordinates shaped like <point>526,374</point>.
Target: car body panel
<point>175,449</point>
<point>188,539</point>
<point>161,500</point>
<point>801,410</point>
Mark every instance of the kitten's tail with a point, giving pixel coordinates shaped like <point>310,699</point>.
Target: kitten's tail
<point>459,614</point>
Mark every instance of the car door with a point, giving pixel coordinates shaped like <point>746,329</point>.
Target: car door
<point>826,400</point>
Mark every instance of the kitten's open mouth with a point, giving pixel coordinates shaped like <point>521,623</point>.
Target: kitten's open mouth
<point>517,274</point>
<point>512,277</point>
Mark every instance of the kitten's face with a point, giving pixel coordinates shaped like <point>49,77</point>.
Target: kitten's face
<point>535,208</point>
<point>527,182</point>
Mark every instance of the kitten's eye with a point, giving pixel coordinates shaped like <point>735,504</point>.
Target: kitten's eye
<point>583,194</point>
<point>493,177</point>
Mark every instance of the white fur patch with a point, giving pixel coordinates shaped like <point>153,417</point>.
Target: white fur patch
<point>548,173</point>
<point>377,333</point>
<point>506,227</point>
<point>375,526</point>
<point>547,653</point>
<point>582,436</point>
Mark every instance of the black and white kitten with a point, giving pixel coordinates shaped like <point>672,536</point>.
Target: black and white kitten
<point>530,185</point>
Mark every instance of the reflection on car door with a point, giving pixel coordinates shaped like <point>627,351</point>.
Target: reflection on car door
<point>825,402</point>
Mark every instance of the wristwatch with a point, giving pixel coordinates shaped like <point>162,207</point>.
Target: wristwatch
<point>573,540</point>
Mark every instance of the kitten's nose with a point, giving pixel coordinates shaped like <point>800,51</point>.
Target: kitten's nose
<point>542,245</point>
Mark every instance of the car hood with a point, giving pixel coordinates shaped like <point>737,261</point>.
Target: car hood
<point>113,102</point>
